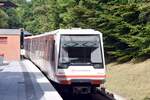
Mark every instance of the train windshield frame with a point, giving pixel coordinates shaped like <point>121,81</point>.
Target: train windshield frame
<point>80,49</point>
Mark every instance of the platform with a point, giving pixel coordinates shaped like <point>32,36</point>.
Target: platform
<point>23,81</point>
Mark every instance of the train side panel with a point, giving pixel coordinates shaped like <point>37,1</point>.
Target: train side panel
<point>40,50</point>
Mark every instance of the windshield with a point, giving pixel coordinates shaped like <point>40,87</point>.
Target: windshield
<point>80,49</point>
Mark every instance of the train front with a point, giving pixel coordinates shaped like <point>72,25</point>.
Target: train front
<point>81,62</point>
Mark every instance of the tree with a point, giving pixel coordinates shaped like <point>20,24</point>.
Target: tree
<point>124,23</point>
<point>3,19</point>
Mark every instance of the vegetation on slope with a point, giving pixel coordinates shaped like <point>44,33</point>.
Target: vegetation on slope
<point>130,80</point>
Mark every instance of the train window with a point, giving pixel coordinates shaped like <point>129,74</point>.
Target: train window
<point>80,49</point>
<point>53,50</point>
<point>46,41</point>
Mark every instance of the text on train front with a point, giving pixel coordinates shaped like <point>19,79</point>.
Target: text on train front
<point>80,50</point>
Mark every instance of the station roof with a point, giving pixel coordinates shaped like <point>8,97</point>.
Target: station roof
<point>27,33</point>
<point>7,4</point>
<point>10,31</point>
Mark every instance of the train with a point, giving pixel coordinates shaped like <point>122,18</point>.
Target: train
<point>72,58</point>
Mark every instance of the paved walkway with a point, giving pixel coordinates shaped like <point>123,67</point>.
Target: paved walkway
<point>23,81</point>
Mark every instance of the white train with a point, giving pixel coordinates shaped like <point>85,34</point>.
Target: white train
<point>73,58</point>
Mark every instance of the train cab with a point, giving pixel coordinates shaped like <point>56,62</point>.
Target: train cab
<point>81,59</point>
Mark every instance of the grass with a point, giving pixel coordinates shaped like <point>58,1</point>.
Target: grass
<point>129,80</point>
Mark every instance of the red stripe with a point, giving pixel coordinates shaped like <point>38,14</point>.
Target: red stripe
<point>81,76</point>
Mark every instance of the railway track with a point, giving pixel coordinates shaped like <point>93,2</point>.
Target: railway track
<point>100,94</point>
<point>93,96</point>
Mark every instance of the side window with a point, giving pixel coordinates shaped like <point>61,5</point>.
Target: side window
<point>53,50</point>
<point>3,40</point>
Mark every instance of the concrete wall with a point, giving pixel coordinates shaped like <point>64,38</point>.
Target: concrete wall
<point>11,49</point>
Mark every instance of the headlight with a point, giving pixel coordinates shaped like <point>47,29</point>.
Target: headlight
<point>98,66</point>
<point>63,66</point>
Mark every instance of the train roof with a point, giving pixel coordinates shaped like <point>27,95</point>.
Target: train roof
<point>66,31</point>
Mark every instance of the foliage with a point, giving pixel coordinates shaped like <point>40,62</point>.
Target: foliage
<point>3,19</point>
<point>146,98</point>
<point>124,23</point>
